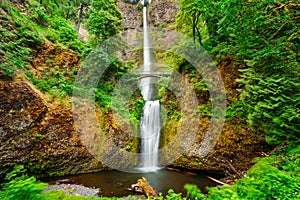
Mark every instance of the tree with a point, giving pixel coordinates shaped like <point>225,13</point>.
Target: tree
<point>105,19</point>
<point>83,6</point>
<point>198,17</point>
<point>190,18</point>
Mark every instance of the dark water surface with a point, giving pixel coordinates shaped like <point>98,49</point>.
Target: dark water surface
<point>115,183</point>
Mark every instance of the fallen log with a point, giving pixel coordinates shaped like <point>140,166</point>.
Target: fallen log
<point>143,186</point>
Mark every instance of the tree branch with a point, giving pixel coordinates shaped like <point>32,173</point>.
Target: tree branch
<point>232,167</point>
<point>217,181</point>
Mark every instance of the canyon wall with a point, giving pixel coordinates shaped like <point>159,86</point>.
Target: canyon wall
<point>39,132</point>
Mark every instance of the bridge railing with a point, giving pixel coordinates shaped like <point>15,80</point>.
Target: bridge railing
<point>159,74</point>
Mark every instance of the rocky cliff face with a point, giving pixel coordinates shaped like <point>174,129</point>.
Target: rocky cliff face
<point>160,13</point>
<point>39,135</point>
<point>237,144</point>
<point>161,17</point>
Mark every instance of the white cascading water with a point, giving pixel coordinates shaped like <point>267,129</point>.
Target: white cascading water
<point>150,122</point>
<point>150,132</point>
<point>146,82</point>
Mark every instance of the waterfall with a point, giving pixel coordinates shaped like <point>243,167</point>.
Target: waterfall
<point>146,82</point>
<point>150,122</point>
<point>150,132</point>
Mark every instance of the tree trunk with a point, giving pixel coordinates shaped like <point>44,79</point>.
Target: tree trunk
<point>80,16</point>
<point>199,36</point>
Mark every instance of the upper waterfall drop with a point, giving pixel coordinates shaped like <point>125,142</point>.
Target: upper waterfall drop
<point>146,82</point>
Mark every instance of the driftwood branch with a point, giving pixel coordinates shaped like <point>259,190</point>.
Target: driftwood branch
<point>217,181</point>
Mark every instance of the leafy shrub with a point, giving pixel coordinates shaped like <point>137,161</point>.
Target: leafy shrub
<point>21,186</point>
<point>193,192</point>
<point>40,16</point>
<point>65,30</point>
<point>274,177</point>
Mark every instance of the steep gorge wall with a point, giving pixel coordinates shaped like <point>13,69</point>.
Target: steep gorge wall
<point>38,129</point>
<point>41,134</point>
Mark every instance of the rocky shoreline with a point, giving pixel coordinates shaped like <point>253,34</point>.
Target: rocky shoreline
<point>73,189</point>
<point>80,190</point>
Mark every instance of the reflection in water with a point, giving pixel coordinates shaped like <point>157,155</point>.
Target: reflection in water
<point>115,183</point>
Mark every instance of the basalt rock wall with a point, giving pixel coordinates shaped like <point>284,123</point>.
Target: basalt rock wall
<point>38,134</point>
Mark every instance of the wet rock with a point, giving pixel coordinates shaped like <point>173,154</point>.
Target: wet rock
<point>21,108</point>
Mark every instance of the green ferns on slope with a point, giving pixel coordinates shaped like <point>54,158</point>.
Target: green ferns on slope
<point>264,36</point>
<point>17,39</point>
<point>23,33</point>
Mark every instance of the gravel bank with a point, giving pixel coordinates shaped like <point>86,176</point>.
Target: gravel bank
<point>74,189</point>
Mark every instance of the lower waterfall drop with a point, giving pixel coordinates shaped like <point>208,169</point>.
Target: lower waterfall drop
<point>150,131</point>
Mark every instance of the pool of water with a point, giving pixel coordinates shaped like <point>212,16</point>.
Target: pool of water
<point>116,183</point>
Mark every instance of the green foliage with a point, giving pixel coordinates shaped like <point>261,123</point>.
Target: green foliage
<point>276,177</point>
<point>101,72</point>
<point>170,196</point>
<point>136,106</point>
<point>237,109</point>
<point>15,46</point>
<point>264,35</point>
<point>190,18</point>
<point>272,77</point>
<point>21,186</point>
<point>57,83</point>
<point>61,31</point>
<point>39,16</point>
<point>65,30</point>
<point>53,21</point>
<point>105,19</point>
<point>193,192</point>
<point>21,36</point>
